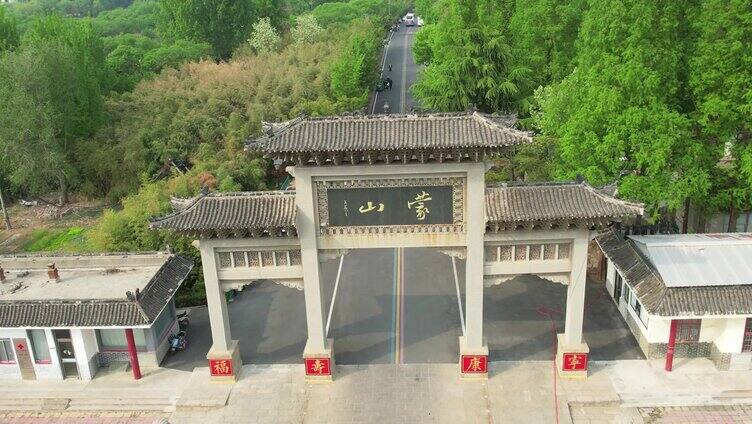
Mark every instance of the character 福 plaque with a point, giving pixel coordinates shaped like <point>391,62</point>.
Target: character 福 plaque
<point>220,367</point>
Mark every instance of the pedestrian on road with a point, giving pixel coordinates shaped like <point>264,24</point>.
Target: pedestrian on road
<point>390,67</point>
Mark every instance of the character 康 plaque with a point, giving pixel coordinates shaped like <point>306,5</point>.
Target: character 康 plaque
<point>374,206</point>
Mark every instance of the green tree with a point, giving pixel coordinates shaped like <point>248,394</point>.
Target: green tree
<point>618,113</point>
<point>8,31</point>
<point>544,35</point>
<point>224,24</point>
<point>721,87</point>
<point>471,61</point>
<point>306,29</point>
<point>37,85</point>
<point>356,70</point>
<point>264,38</point>
<point>52,91</point>
<point>175,54</point>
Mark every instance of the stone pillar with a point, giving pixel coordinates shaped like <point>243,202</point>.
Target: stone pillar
<point>473,359</point>
<point>572,351</point>
<point>318,354</point>
<point>225,363</point>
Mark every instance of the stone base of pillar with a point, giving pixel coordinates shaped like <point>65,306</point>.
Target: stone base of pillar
<point>572,359</point>
<point>473,361</point>
<point>225,364</point>
<point>319,366</point>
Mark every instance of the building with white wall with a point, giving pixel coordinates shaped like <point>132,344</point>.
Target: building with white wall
<point>687,295</point>
<point>65,316</point>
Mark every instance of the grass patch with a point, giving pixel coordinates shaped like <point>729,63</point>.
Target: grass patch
<point>72,239</point>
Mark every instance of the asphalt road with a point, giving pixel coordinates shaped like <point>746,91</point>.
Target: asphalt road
<point>403,73</point>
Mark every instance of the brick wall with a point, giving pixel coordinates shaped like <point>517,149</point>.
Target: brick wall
<point>682,350</point>
<point>107,358</point>
<point>721,360</point>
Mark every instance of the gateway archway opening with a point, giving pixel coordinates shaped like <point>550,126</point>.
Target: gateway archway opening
<point>395,306</point>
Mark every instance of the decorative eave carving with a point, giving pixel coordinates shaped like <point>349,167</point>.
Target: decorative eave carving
<point>272,232</point>
<point>495,280</point>
<point>590,223</point>
<point>373,157</point>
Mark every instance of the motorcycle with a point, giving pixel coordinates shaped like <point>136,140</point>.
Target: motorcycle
<point>178,341</point>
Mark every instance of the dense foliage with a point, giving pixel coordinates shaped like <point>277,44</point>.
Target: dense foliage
<point>653,94</point>
<point>131,103</point>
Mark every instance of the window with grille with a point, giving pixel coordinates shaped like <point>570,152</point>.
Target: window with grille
<point>688,330</point>
<point>747,343</point>
<point>528,252</point>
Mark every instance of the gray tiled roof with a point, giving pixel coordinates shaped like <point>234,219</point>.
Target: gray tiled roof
<point>101,312</point>
<point>233,213</point>
<point>391,133</point>
<point>660,300</point>
<point>511,205</point>
<point>507,207</point>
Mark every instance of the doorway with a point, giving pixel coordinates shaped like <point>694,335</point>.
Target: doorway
<point>66,352</point>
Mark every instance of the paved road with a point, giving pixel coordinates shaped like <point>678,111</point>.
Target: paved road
<point>403,73</point>
<point>400,306</point>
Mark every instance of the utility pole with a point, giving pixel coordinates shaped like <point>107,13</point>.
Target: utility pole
<point>5,211</point>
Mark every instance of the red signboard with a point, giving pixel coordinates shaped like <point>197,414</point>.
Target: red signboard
<point>220,367</point>
<point>317,366</point>
<point>474,364</point>
<point>575,362</point>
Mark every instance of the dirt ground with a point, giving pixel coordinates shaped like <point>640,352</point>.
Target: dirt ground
<point>25,220</point>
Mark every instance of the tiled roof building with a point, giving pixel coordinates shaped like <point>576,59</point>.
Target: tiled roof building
<point>390,138</point>
<point>507,207</point>
<point>87,294</point>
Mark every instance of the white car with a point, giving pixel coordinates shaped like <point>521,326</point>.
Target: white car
<point>409,19</point>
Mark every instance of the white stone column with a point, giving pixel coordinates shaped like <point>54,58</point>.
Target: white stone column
<point>224,359</point>
<point>317,348</point>
<point>572,352</point>
<point>473,349</point>
<point>476,228</point>
<point>576,292</point>
<point>219,319</point>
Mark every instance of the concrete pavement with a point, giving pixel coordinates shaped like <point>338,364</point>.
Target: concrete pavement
<point>629,391</point>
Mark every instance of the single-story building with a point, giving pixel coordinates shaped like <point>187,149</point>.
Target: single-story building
<point>64,316</point>
<point>686,295</point>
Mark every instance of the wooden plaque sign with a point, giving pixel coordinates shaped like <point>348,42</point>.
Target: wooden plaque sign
<point>421,205</point>
<point>24,359</point>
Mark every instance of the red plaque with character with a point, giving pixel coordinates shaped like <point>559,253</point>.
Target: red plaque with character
<point>318,366</point>
<point>220,367</point>
<point>474,364</point>
<point>574,362</point>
